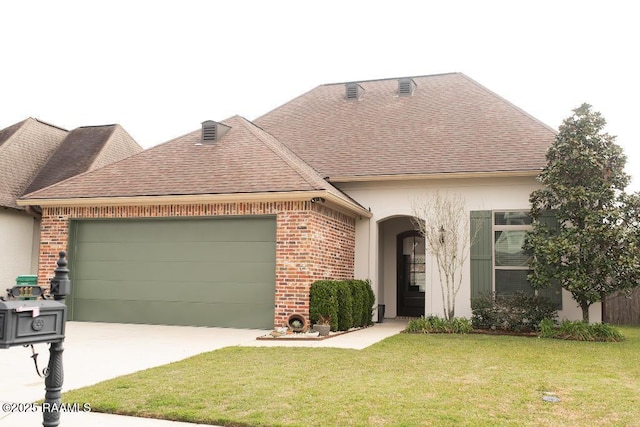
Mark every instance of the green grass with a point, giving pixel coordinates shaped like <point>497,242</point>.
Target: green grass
<point>405,380</point>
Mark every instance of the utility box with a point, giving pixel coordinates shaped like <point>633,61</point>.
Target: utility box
<point>24,322</point>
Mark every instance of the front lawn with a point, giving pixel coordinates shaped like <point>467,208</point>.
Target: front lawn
<point>440,380</point>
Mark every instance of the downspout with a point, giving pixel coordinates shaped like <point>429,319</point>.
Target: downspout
<point>34,211</point>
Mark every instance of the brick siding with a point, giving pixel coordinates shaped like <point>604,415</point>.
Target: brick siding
<point>312,241</point>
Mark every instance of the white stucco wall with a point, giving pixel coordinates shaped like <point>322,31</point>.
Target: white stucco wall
<point>20,237</point>
<point>389,199</point>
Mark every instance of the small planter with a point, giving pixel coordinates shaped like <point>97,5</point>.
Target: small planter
<point>297,323</point>
<point>323,330</point>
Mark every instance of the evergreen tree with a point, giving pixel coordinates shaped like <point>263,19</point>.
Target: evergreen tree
<point>594,250</point>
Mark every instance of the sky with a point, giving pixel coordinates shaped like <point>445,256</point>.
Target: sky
<point>160,68</point>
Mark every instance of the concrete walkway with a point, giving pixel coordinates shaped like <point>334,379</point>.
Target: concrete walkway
<point>96,352</point>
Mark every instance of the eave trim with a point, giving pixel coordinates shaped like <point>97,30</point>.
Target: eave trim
<point>434,176</point>
<point>344,205</point>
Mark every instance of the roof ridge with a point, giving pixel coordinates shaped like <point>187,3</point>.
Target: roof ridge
<point>509,103</point>
<point>49,124</point>
<point>393,78</point>
<point>98,126</point>
<point>310,175</point>
<point>104,144</point>
<point>288,156</point>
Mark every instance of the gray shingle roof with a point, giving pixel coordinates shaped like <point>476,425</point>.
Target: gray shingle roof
<point>449,124</point>
<point>25,147</point>
<point>84,149</point>
<point>245,160</point>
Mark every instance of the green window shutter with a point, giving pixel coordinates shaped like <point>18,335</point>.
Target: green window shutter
<point>554,292</point>
<point>481,254</point>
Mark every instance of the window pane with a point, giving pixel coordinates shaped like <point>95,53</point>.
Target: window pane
<point>513,218</point>
<point>508,248</point>
<point>511,281</point>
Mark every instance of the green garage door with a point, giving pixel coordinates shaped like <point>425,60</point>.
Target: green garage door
<point>200,272</point>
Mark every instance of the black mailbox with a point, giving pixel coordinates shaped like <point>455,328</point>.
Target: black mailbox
<point>28,317</point>
<point>31,321</point>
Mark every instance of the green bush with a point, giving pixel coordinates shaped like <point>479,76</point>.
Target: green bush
<point>371,300</point>
<point>349,303</point>
<point>323,301</point>
<point>345,306</point>
<point>358,300</point>
<point>519,312</point>
<point>361,312</point>
<point>439,325</point>
<point>581,331</point>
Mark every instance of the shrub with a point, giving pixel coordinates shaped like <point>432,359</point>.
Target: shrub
<point>345,305</point>
<point>435,324</point>
<point>364,313</point>
<point>323,301</point>
<point>581,331</point>
<point>358,301</point>
<point>519,312</point>
<point>348,303</point>
<point>371,300</point>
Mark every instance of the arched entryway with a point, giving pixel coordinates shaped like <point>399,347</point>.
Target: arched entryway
<point>411,274</point>
<point>402,275</point>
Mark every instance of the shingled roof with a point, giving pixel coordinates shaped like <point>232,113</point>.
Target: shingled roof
<point>246,160</point>
<point>449,124</point>
<point>25,147</point>
<point>84,149</point>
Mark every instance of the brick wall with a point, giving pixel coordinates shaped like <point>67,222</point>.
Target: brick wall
<point>312,241</point>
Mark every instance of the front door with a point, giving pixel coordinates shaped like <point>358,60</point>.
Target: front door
<point>411,274</point>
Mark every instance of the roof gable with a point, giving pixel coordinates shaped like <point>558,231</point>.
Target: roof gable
<point>245,160</point>
<point>24,149</point>
<point>448,123</point>
<point>83,149</point>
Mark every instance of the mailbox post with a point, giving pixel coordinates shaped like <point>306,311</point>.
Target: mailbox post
<point>25,320</point>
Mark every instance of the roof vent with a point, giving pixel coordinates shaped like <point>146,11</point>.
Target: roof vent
<point>353,91</point>
<point>213,131</point>
<point>406,86</point>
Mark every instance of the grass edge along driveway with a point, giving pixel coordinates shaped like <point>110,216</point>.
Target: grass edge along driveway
<point>403,380</point>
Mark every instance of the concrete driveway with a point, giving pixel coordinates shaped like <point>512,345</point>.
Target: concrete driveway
<point>96,352</point>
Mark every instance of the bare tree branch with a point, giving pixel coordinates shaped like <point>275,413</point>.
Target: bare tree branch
<point>444,223</point>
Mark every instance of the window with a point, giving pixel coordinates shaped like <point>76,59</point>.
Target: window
<point>498,263</point>
<point>510,263</point>
<point>413,254</point>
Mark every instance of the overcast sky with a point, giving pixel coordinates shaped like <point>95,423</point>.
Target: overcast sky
<point>160,68</point>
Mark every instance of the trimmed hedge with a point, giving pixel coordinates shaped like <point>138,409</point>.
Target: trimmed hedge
<point>349,303</point>
<point>345,306</point>
<point>323,300</point>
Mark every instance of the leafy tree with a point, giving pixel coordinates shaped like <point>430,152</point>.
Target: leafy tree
<point>594,251</point>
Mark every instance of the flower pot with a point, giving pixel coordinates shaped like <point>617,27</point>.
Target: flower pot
<point>323,330</point>
<point>297,323</point>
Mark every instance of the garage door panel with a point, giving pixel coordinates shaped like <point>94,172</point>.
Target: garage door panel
<point>176,313</point>
<point>160,269</point>
<point>175,271</point>
<point>254,293</point>
<point>194,252</point>
<point>238,229</point>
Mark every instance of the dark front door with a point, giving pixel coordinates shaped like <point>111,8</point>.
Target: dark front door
<point>411,274</point>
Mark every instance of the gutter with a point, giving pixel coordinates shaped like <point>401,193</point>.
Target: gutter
<point>344,205</point>
<point>434,176</point>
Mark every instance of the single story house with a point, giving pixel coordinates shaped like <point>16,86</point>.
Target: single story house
<point>34,155</point>
<point>230,224</point>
